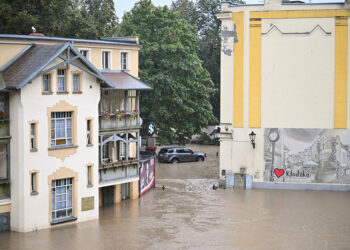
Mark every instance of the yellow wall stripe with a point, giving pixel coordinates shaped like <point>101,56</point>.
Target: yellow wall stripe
<point>341,67</point>
<point>299,14</point>
<point>255,73</point>
<point>238,72</point>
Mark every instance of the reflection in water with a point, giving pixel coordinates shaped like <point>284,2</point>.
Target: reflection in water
<point>190,214</point>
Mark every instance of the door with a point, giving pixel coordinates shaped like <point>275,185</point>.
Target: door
<point>125,191</point>
<point>4,222</point>
<point>108,195</point>
<point>240,181</point>
<point>185,154</point>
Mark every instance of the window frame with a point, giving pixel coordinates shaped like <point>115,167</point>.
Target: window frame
<point>132,99</point>
<point>127,64</point>
<point>89,175</point>
<point>65,76</point>
<point>34,182</point>
<point>33,137</point>
<point>54,195</point>
<point>86,50</point>
<point>79,74</point>
<point>89,121</point>
<point>53,127</point>
<point>49,92</point>
<point>109,66</point>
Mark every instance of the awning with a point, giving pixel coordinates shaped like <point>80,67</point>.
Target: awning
<point>124,81</point>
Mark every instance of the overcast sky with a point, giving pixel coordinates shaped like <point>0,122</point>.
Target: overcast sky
<point>122,6</point>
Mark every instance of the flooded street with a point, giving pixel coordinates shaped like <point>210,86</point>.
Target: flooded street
<point>189,214</point>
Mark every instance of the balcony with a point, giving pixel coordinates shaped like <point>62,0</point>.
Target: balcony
<point>112,176</point>
<point>119,109</point>
<point>111,121</point>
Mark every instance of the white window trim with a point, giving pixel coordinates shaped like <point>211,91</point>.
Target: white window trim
<point>55,194</point>
<point>64,81</point>
<point>110,59</point>
<point>89,52</point>
<point>65,130</point>
<point>48,82</point>
<point>127,60</point>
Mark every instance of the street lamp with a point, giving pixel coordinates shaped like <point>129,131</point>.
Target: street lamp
<point>252,138</point>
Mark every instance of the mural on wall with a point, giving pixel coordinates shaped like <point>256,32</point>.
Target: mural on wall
<point>147,175</point>
<point>307,155</point>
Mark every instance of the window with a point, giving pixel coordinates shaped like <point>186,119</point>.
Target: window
<point>33,139</point>
<point>61,80</point>
<point>187,151</point>
<point>124,61</point>
<point>131,101</point>
<point>105,59</point>
<point>89,176</point>
<point>88,132</point>
<point>76,82</point>
<point>61,198</point>
<point>105,156</point>
<point>4,172</point>
<point>121,150</point>
<point>34,183</point>
<point>84,52</point>
<point>47,83</point>
<point>61,128</point>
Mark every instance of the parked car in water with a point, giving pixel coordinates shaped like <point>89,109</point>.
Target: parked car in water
<point>179,154</point>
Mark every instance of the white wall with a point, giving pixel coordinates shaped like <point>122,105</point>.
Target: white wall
<point>35,209</point>
<point>297,83</point>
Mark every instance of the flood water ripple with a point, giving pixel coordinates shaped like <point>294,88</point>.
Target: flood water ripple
<point>189,214</point>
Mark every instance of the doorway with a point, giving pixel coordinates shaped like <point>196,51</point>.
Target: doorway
<point>108,195</point>
<point>4,222</point>
<point>240,181</point>
<point>125,191</point>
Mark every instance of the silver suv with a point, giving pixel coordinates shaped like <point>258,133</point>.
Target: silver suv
<point>177,154</point>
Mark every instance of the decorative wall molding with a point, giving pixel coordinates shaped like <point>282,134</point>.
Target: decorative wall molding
<point>317,27</point>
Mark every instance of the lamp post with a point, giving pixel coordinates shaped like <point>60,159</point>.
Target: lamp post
<point>252,138</point>
<point>273,137</point>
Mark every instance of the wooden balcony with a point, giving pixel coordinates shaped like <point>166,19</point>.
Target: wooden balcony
<point>105,165</point>
<point>113,122</point>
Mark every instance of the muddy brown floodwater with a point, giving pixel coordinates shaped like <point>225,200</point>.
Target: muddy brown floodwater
<point>189,214</point>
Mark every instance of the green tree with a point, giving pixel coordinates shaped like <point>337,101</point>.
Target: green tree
<point>99,19</point>
<point>90,19</point>
<point>179,103</point>
<point>201,15</point>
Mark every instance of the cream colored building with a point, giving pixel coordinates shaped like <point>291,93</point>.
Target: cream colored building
<point>284,76</point>
<point>62,102</point>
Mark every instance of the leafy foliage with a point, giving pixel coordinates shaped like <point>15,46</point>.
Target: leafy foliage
<point>201,15</point>
<point>89,19</point>
<point>179,103</point>
<point>204,139</point>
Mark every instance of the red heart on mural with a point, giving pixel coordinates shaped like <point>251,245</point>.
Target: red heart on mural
<point>279,172</point>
